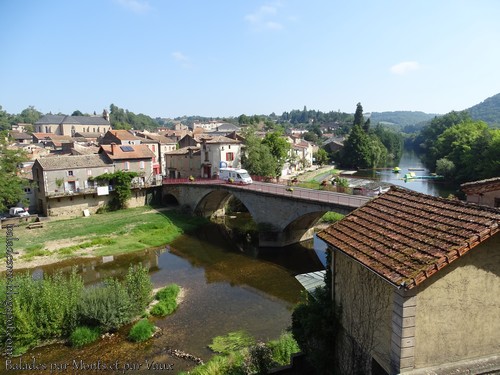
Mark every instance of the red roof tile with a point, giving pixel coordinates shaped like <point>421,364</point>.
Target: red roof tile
<point>405,236</point>
<point>119,152</point>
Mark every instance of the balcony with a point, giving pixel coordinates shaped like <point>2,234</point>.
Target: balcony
<point>69,193</point>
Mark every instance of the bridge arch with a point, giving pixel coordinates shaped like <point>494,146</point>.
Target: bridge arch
<point>282,218</point>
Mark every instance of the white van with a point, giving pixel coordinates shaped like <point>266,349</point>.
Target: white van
<point>239,176</point>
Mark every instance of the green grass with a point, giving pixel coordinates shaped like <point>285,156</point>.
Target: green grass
<point>111,232</point>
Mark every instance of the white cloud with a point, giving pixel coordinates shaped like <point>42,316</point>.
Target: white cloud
<point>182,59</point>
<point>405,67</point>
<point>137,6</point>
<point>264,18</point>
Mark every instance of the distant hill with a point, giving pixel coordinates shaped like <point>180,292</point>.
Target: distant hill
<point>401,118</point>
<point>487,111</point>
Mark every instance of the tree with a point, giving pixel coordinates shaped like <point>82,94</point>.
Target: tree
<point>4,120</point>
<point>358,115</point>
<point>279,148</point>
<point>121,181</point>
<point>321,157</point>
<point>77,113</point>
<point>445,167</point>
<point>29,115</point>
<point>257,159</point>
<point>11,185</point>
<point>357,149</point>
<point>311,137</point>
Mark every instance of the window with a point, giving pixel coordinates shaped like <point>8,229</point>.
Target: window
<point>89,172</point>
<point>229,156</point>
<point>142,164</point>
<point>70,173</point>
<point>27,190</point>
<point>127,165</point>
<point>153,148</point>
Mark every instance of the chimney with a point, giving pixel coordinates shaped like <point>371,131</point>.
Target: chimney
<point>113,145</point>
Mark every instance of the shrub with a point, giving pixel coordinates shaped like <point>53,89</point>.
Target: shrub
<point>139,288</point>
<point>169,292</point>
<point>106,306</point>
<point>164,308</point>
<point>83,335</point>
<point>258,359</point>
<point>331,217</point>
<point>141,331</point>
<point>283,348</point>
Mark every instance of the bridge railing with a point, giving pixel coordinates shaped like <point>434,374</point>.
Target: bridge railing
<point>283,190</point>
<point>310,194</point>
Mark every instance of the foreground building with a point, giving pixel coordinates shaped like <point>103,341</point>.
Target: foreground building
<point>418,279</point>
<point>483,192</point>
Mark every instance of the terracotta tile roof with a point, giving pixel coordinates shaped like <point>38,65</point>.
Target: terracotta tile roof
<point>69,162</point>
<point>482,186</point>
<point>220,139</point>
<point>185,151</point>
<point>123,135</point>
<point>119,152</point>
<point>405,236</point>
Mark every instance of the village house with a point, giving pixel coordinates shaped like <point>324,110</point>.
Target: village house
<point>53,142</point>
<point>418,281</point>
<point>216,152</point>
<point>65,185</point>
<point>484,192</point>
<point>300,154</point>
<point>184,162</point>
<point>119,137</point>
<point>69,125</point>
<point>20,137</point>
<point>219,152</point>
<point>133,158</point>
<point>160,145</point>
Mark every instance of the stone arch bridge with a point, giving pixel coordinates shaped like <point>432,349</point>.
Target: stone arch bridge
<point>284,216</point>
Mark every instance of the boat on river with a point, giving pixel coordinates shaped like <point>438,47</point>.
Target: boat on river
<point>396,169</point>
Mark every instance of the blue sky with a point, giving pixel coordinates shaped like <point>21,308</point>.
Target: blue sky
<point>224,58</point>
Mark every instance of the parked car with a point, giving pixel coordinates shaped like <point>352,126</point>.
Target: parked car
<point>18,212</point>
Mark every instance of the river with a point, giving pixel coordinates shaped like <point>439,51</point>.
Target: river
<point>410,160</point>
<point>226,289</point>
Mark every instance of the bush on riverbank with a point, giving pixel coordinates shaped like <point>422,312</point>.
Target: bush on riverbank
<point>82,336</point>
<point>141,331</point>
<point>167,298</point>
<point>331,217</point>
<point>108,306</point>
<point>53,307</point>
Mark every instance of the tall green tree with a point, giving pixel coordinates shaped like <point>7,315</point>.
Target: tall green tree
<point>279,148</point>
<point>4,120</point>
<point>11,185</point>
<point>28,115</point>
<point>257,158</point>
<point>357,149</point>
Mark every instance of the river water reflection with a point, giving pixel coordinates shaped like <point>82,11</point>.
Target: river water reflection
<point>225,290</point>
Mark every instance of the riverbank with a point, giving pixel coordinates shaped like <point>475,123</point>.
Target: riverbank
<point>110,233</point>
